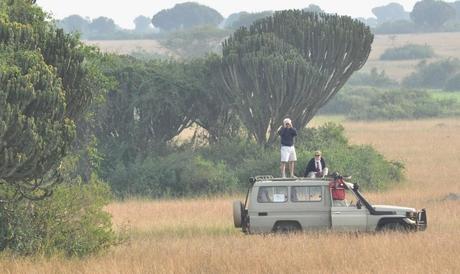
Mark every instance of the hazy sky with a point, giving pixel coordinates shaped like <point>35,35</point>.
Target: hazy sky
<point>124,12</point>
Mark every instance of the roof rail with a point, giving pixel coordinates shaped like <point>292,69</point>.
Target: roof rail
<point>263,177</point>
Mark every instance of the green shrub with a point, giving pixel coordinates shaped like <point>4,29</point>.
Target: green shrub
<point>433,75</point>
<point>373,79</point>
<point>376,104</point>
<point>195,42</point>
<point>225,166</point>
<point>404,104</point>
<point>70,222</point>
<point>175,175</point>
<point>453,83</point>
<point>408,52</point>
<point>366,166</point>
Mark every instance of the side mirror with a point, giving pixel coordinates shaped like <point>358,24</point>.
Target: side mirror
<point>355,186</point>
<point>358,204</point>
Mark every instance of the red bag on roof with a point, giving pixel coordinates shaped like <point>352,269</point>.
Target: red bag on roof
<point>337,189</point>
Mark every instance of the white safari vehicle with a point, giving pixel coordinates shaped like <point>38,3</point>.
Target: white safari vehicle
<point>296,204</point>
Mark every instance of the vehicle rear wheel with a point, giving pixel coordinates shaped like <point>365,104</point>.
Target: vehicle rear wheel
<point>238,213</point>
<point>286,227</point>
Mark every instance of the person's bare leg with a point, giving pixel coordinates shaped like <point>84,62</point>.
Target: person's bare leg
<point>291,168</point>
<point>283,169</point>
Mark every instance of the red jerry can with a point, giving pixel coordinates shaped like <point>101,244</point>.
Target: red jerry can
<point>337,189</point>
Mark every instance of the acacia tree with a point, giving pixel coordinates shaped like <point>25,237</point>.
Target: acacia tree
<point>432,14</point>
<point>186,15</point>
<point>44,87</point>
<point>289,64</point>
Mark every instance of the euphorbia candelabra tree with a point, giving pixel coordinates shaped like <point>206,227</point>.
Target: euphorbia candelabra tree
<point>289,64</point>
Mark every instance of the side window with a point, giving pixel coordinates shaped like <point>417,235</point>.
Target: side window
<point>272,194</point>
<point>346,198</point>
<point>306,193</point>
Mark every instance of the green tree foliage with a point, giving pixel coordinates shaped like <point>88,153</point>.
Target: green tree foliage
<point>186,15</point>
<point>142,24</point>
<point>289,64</point>
<point>374,79</point>
<point>44,86</point>
<point>313,8</point>
<point>72,222</point>
<point>237,20</point>
<point>380,104</point>
<point>149,106</point>
<point>453,83</point>
<point>74,23</point>
<point>102,25</point>
<point>195,42</point>
<point>390,12</point>
<point>432,75</point>
<point>408,52</point>
<point>431,14</point>
<point>209,110</point>
<point>404,104</point>
<point>456,6</point>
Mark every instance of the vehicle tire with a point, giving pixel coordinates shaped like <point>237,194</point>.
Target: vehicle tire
<point>394,227</point>
<point>237,213</point>
<point>286,227</point>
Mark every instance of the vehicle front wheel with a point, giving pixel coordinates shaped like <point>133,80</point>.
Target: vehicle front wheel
<point>394,227</point>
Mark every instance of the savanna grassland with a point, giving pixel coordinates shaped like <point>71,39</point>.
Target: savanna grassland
<point>197,236</point>
<point>445,45</point>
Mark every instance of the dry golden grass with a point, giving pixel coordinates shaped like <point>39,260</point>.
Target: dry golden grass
<point>444,45</point>
<point>196,236</point>
<point>130,46</point>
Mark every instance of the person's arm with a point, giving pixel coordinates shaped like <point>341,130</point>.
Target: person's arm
<point>293,131</point>
<point>280,130</point>
<point>307,168</point>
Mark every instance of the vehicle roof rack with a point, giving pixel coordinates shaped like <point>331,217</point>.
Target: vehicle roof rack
<point>271,178</point>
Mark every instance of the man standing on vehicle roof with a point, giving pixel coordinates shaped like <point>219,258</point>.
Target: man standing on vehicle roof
<point>288,155</point>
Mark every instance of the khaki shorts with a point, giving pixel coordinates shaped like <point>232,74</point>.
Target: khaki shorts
<point>288,154</point>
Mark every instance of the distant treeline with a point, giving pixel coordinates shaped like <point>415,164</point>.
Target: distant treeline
<point>426,16</point>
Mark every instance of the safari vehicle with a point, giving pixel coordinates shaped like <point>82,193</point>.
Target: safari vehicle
<point>296,204</point>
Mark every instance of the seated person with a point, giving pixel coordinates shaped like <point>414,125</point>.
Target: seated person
<point>263,196</point>
<point>316,167</point>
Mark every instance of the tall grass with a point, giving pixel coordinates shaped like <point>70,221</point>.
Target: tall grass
<point>197,235</point>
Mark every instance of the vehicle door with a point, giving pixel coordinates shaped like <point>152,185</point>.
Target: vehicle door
<point>309,207</point>
<point>347,214</point>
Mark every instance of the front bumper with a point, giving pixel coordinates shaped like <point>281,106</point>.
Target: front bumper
<point>421,220</point>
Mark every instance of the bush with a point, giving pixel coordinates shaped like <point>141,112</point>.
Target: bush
<point>175,175</point>
<point>373,79</point>
<point>70,222</point>
<point>404,104</point>
<point>408,52</point>
<point>364,163</point>
<point>453,83</point>
<point>433,75</point>
<point>375,104</point>
<point>195,42</point>
<point>225,166</point>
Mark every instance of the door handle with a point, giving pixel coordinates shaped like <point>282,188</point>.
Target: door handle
<point>336,212</point>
